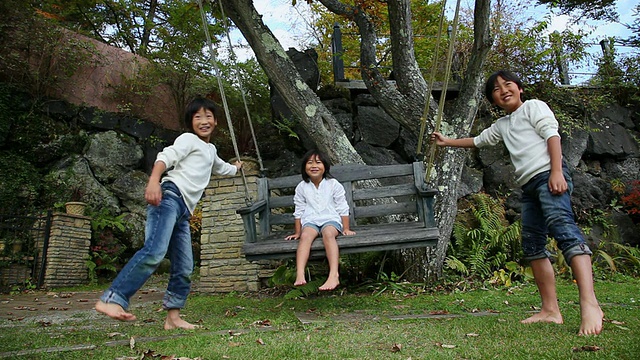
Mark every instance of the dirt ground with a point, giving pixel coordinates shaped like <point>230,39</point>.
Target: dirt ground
<point>51,304</point>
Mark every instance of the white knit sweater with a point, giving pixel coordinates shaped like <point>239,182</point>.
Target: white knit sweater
<point>525,133</point>
<point>193,161</point>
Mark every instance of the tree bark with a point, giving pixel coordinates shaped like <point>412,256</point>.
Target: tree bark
<point>316,119</point>
<point>405,103</point>
<point>445,174</point>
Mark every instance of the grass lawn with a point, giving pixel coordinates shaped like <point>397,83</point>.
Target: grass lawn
<point>472,324</point>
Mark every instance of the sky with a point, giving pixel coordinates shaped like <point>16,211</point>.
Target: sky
<point>286,23</point>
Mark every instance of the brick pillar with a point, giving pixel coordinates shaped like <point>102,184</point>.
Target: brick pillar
<point>223,267</point>
<point>68,251</point>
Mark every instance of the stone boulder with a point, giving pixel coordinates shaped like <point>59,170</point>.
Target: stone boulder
<point>111,155</point>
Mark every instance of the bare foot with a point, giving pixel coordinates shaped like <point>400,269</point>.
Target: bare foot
<point>331,283</point>
<point>592,317</point>
<point>544,316</point>
<point>114,311</point>
<point>172,323</point>
<point>300,281</point>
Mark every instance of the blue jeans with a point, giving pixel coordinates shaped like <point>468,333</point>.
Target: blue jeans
<point>166,230</point>
<point>545,214</point>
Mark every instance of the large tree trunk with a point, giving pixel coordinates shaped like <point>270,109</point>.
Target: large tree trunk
<point>405,103</point>
<point>428,263</point>
<point>316,119</point>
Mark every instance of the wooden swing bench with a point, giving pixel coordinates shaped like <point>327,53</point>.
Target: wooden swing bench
<point>270,218</point>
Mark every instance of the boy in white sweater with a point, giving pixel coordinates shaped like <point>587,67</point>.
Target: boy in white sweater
<point>172,200</point>
<point>530,133</point>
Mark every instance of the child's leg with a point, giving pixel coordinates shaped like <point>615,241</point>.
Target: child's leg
<point>329,234</point>
<point>545,280</point>
<point>181,257</point>
<point>590,311</point>
<point>158,229</point>
<point>302,253</point>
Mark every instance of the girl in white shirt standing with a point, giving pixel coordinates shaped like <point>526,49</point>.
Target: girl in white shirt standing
<point>172,200</point>
<point>320,208</point>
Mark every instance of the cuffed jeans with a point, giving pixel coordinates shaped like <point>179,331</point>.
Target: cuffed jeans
<point>166,230</point>
<point>546,214</point>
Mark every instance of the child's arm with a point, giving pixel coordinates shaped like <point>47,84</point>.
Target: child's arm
<point>557,182</point>
<point>345,226</point>
<point>153,192</point>
<point>442,140</point>
<point>298,229</point>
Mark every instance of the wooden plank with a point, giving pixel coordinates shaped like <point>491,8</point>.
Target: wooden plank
<point>382,192</point>
<point>355,172</point>
<point>385,209</point>
<point>280,201</point>
<point>367,234</point>
<point>369,238</point>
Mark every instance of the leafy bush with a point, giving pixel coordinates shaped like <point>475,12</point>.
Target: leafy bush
<point>19,185</point>
<point>483,241</point>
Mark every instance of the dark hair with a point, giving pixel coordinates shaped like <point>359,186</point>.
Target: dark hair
<point>195,105</point>
<point>491,82</point>
<point>322,157</point>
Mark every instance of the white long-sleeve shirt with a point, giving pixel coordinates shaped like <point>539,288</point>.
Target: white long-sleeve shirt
<point>525,133</point>
<point>319,205</point>
<point>193,161</point>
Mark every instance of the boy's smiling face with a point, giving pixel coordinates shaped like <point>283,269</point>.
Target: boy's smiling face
<point>506,94</point>
<point>203,124</point>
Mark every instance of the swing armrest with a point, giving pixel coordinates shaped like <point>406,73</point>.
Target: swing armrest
<point>425,202</point>
<point>249,219</point>
<point>253,208</point>
<point>426,193</point>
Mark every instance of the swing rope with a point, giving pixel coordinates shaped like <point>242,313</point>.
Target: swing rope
<point>241,86</point>
<point>214,62</point>
<point>443,94</point>
<point>432,77</point>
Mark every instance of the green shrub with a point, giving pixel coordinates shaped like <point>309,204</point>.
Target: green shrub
<point>483,241</point>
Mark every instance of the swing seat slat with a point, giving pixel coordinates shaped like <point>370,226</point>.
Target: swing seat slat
<point>391,211</point>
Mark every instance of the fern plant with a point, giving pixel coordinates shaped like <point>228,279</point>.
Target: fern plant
<point>483,240</point>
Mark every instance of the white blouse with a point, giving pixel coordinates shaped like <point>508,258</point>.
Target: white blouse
<point>320,205</point>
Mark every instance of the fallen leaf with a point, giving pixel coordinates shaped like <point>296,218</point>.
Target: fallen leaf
<point>438,312</point>
<point>234,344</point>
<point>82,300</point>
<point>445,346</point>
<point>45,323</point>
<point>472,335</point>
<point>585,348</point>
<point>114,334</point>
<point>396,347</point>
<point>265,323</point>
<point>58,308</point>
<point>279,305</point>
<point>308,338</point>
<point>132,343</point>
<point>260,341</point>
<point>149,321</point>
